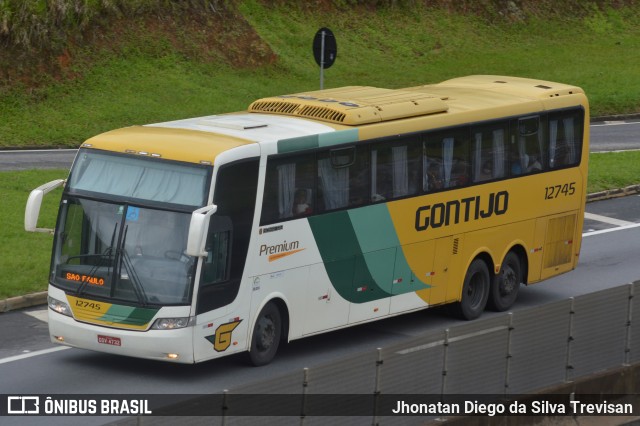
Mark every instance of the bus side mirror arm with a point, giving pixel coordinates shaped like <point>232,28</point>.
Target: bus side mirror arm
<point>198,230</point>
<point>34,202</point>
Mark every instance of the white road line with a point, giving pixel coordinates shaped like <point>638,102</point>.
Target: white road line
<point>32,354</point>
<point>606,219</point>
<point>604,231</point>
<point>42,314</point>
<point>614,123</point>
<point>452,340</point>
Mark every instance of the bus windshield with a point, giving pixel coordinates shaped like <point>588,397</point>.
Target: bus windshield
<point>139,178</point>
<point>122,252</point>
<point>123,228</point>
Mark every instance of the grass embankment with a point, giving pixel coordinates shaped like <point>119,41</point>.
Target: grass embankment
<point>134,62</point>
<point>149,70</point>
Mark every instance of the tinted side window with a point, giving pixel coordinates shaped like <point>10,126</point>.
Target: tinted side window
<point>396,168</point>
<point>446,160</point>
<point>488,152</point>
<point>343,178</point>
<point>565,138</point>
<point>526,150</point>
<point>289,189</point>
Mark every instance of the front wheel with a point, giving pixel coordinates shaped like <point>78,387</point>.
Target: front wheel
<point>506,284</point>
<point>266,335</point>
<point>475,291</point>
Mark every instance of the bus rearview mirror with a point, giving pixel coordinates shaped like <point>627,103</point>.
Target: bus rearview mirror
<point>34,202</point>
<point>198,230</point>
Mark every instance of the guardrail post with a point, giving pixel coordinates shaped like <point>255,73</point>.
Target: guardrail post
<point>509,354</point>
<point>377,391</point>
<point>627,346</point>
<point>570,338</point>
<point>444,363</point>
<point>224,407</point>
<point>305,385</point>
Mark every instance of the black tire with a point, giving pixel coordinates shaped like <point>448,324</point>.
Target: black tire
<point>506,285</point>
<point>475,291</point>
<point>267,332</point>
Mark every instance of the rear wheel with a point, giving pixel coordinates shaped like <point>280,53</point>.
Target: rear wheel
<point>267,332</point>
<point>475,291</point>
<point>506,285</point>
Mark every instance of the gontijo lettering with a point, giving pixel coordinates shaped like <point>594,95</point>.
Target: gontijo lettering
<point>465,209</point>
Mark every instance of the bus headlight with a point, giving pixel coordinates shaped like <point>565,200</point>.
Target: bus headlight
<point>58,306</point>
<point>173,323</point>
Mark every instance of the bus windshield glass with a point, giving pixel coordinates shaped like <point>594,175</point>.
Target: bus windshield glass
<point>123,253</point>
<point>138,178</point>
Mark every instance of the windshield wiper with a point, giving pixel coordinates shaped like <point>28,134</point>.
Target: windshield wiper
<point>102,256</point>
<point>138,288</point>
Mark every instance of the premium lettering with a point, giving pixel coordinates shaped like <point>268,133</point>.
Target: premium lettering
<point>465,209</point>
<point>279,248</point>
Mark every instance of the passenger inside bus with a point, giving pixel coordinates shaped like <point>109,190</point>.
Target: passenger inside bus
<point>301,204</point>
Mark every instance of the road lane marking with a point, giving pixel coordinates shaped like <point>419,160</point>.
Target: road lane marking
<point>606,219</point>
<point>41,314</point>
<point>452,340</point>
<point>604,231</point>
<point>32,354</point>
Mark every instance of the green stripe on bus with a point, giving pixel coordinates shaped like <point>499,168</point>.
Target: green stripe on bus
<point>385,258</point>
<point>336,138</point>
<point>317,141</point>
<point>297,144</point>
<point>362,254</point>
<point>343,258</point>
<point>128,315</point>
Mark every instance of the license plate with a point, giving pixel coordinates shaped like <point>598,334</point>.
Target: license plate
<point>108,340</point>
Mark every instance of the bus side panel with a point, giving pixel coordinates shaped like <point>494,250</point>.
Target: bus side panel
<point>444,287</point>
<point>324,308</point>
<point>225,330</point>
<point>558,250</point>
<point>413,276</point>
<point>371,285</point>
<point>288,285</point>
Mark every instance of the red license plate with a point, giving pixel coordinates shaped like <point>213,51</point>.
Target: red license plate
<point>108,340</point>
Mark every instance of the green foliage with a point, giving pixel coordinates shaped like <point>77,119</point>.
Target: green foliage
<point>25,256</point>
<point>613,170</point>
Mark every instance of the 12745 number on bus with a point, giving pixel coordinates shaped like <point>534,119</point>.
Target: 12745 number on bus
<point>556,191</point>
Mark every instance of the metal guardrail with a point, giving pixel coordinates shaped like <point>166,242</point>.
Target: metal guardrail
<point>511,354</point>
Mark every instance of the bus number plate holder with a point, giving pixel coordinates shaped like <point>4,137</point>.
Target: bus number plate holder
<point>108,340</point>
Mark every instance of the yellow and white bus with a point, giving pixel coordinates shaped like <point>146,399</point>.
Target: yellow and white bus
<point>194,239</point>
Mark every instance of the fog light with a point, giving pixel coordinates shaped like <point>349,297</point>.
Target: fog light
<point>172,356</point>
<point>59,338</point>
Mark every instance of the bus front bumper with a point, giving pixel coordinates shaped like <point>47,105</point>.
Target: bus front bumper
<point>162,345</point>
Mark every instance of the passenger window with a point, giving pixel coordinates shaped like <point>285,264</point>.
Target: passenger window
<point>565,136</point>
<point>526,147</point>
<point>488,152</point>
<point>446,160</point>
<point>343,178</point>
<point>395,170</point>
<point>289,188</point>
